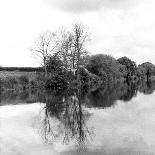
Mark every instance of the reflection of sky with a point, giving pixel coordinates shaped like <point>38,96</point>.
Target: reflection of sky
<point>126,128</point>
<point>126,125</point>
<point>18,133</point>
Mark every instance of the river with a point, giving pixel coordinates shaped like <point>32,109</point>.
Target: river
<point>108,122</point>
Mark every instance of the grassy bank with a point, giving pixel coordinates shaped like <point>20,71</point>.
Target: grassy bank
<point>17,80</point>
<point>15,74</point>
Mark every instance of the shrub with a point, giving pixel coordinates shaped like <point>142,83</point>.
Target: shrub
<point>56,81</point>
<point>23,80</point>
<point>9,83</point>
<point>38,81</point>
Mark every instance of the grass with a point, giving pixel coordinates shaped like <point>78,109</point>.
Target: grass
<point>16,74</point>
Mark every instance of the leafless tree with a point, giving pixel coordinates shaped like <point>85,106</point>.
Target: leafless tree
<point>72,46</point>
<point>45,46</point>
<point>64,48</point>
<point>80,36</point>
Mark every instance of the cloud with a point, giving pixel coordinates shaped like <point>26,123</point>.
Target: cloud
<point>80,6</point>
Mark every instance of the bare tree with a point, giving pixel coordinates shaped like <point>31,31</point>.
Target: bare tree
<point>72,46</point>
<point>64,48</point>
<point>44,47</point>
<point>80,36</point>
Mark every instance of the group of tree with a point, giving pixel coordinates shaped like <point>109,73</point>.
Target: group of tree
<point>67,45</point>
<point>64,55</point>
<point>123,68</point>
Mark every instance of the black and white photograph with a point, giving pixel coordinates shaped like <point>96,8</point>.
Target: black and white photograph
<point>77,77</point>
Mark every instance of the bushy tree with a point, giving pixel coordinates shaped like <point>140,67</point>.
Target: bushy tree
<point>123,70</point>
<point>130,66</point>
<point>149,69</point>
<point>54,64</point>
<point>141,73</point>
<point>58,77</point>
<point>101,64</point>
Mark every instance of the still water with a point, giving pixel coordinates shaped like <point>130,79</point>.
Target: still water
<point>118,120</point>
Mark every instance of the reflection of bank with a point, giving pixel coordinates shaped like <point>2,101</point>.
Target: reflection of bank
<point>65,119</point>
<point>107,97</point>
<point>99,97</point>
<point>147,87</point>
<point>25,96</point>
<point>131,91</point>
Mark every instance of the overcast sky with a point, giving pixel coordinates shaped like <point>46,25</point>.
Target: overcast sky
<point>118,27</point>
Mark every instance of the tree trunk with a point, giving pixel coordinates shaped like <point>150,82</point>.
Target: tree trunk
<point>45,67</point>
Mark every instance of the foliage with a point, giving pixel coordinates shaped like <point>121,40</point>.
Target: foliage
<point>123,70</point>
<point>54,64</point>
<point>148,69</point>
<point>104,66</point>
<point>141,73</point>
<point>38,81</point>
<point>57,77</point>
<point>56,80</point>
<point>130,66</point>
<point>88,79</point>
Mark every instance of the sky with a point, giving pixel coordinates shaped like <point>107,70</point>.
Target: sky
<point>117,27</point>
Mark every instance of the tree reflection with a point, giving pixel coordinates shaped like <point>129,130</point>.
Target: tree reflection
<point>103,98</point>
<point>107,97</point>
<point>65,115</point>
<point>68,115</point>
<point>131,91</point>
<point>147,87</point>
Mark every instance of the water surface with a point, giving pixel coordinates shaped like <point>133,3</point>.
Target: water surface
<point>115,121</point>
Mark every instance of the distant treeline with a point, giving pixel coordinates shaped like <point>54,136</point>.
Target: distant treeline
<point>22,69</point>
